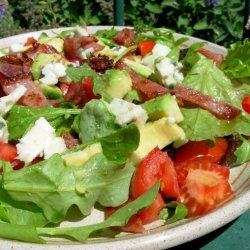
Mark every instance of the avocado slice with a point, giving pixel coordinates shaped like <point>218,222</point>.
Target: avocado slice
<point>157,133</point>
<point>132,95</point>
<point>56,42</point>
<point>163,106</point>
<point>51,92</point>
<point>139,68</point>
<point>40,61</point>
<point>78,158</point>
<point>118,83</point>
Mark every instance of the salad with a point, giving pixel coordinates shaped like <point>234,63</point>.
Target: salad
<point>131,122</point>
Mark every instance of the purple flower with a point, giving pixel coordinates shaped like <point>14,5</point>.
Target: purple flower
<point>211,3</point>
<point>2,11</point>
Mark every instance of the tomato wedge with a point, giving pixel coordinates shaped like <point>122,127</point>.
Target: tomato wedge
<point>8,152</point>
<point>201,149</point>
<point>246,104</point>
<point>145,46</point>
<point>155,166</point>
<point>203,185</point>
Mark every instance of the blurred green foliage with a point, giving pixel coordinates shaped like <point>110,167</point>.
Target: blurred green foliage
<point>221,23</point>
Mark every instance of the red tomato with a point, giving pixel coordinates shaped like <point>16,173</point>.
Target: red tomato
<point>211,55</point>
<point>8,152</point>
<point>134,224</point>
<point>155,166</point>
<point>30,41</point>
<point>146,46</point>
<point>203,185</point>
<point>246,104</point>
<point>150,214</point>
<point>89,89</point>
<point>200,149</point>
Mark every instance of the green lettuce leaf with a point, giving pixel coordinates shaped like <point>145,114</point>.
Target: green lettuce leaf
<point>22,118</point>
<point>63,186</point>
<point>237,61</point>
<point>19,232</point>
<point>242,153</point>
<point>20,213</point>
<point>199,124</point>
<point>119,218</point>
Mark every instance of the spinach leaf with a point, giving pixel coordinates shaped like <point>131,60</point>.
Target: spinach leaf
<point>242,153</point>
<point>79,73</point>
<point>22,118</point>
<point>118,146</point>
<point>118,218</point>
<point>96,121</point>
<point>173,212</point>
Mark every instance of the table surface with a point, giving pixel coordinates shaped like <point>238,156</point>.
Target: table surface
<point>233,236</point>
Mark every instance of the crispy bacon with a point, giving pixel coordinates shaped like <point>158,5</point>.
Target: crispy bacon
<point>211,55</point>
<point>38,48</point>
<point>33,96</point>
<point>95,46</point>
<point>87,39</point>
<point>12,70</point>
<point>69,140</point>
<point>148,88</point>
<point>221,110</point>
<point>125,37</point>
<point>71,46</point>
<point>77,94</point>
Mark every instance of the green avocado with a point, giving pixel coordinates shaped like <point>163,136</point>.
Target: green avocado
<point>132,95</point>
<point>118,83</point>
<point>51,92</point>
<point>56,42</point>
<point>78,158</point>
<point>139,68</point>
<point>40,61</point>
<point>158,133</point>
<point>163,106</point>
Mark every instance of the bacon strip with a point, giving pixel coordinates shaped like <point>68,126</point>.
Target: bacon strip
<point>221,110</point>
<point>39,48</point>
<point>125,37</point>
<point>148,88</point>
<point>12,70</point>
<point>33,96</point>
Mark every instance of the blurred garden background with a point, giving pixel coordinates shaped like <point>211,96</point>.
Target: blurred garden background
<point>219,21</point>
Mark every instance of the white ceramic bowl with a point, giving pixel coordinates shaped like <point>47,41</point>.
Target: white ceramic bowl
<point>162,237</point>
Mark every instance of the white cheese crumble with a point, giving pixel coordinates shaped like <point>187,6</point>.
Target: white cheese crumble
<point>118,50</point>
<point>37,140</point>
<point>169,71</point>
<point>6,102</point>
<point>57,145</point>
<point>4,135</point>
<point>52,72</point>
<point>84,54</point>
<point>127,112</point>
<point>159,50</point>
